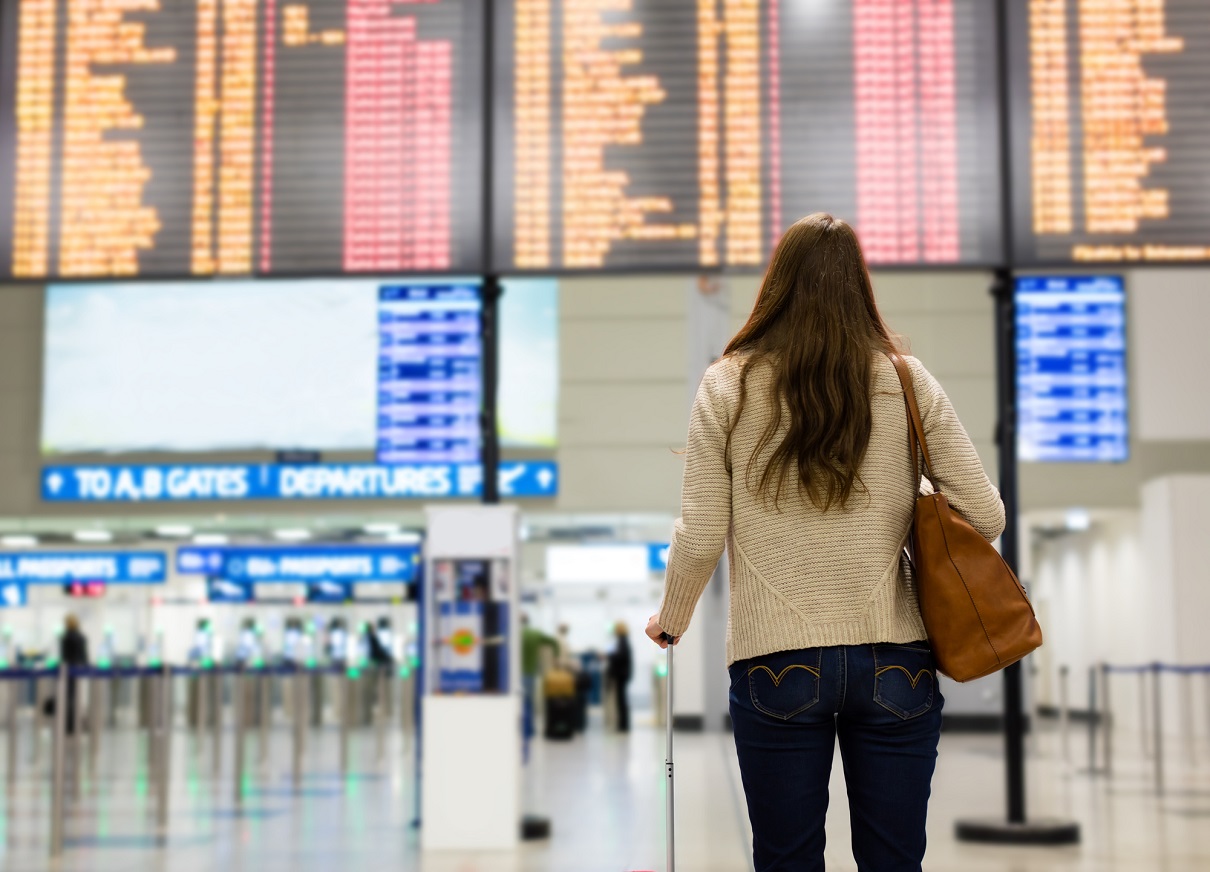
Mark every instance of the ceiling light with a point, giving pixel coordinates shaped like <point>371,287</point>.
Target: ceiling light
<point>292,535</point>
<point>406,537</point>
<point>1077,520</point>
<point>19,541</point>
<point>174,531</point>
<point>382,528</point>
<point>92,537</point>
<point>211,539</point>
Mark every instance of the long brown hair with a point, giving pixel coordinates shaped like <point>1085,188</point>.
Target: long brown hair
<point>816,324</point>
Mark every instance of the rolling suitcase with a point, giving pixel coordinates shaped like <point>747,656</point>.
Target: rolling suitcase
<point>560,717</point>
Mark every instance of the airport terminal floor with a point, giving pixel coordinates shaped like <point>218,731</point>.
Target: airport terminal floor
<point>602,792</point>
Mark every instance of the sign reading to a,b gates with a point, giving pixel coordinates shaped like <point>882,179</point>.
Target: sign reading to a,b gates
<point>265,481</point>
<point>64,567</point>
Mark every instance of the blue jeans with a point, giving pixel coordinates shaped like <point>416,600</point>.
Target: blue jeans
<point>789,708</point>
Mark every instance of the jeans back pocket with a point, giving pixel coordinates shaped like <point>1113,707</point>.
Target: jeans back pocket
<point>785,684</point>
<point>905,679</point>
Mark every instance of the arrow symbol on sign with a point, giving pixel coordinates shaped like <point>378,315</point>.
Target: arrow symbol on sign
<point>509,475</point>
<point>54,481</point>
<point>545,478</point>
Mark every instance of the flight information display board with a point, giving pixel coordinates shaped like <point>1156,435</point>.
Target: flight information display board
<point>202,137</point>
<point>1071,369</point>
<point>430,357</point>
<point>691,133</point>
<point>1111,136</point>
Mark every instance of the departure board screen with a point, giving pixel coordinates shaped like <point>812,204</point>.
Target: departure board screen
<point>691,133</point>
<point>1111,136</point>
<point>204,137</point>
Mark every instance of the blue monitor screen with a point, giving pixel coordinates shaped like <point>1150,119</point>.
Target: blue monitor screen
<point>1071,369</point>
<point>430,356</point>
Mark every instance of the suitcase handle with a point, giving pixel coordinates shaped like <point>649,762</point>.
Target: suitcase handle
<point>670,807</point>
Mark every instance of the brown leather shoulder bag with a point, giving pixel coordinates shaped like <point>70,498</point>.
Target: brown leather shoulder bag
<point>976,612</point>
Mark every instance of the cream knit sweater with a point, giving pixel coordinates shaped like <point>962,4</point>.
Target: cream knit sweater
<point>802,578</point>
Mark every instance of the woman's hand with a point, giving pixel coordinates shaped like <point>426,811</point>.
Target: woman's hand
<point>656,633</point>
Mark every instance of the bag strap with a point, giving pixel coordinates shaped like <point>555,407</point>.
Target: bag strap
<point>915,426</point>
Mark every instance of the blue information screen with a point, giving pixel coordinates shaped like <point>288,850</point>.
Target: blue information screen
<point>430,355</point>
<point>1071,369</point>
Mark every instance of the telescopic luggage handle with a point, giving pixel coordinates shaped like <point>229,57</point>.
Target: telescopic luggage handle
<point>670,808</point>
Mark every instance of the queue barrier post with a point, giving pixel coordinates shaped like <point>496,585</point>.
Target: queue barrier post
<point>1187,715</point>
<point>264,683</point>
<point>1144,720</point>
<point>1064,716</point>
<point>346,699</point>
<point>216,725</point>
<point>14,703</point>
<point>380,714</point>
<point>1158,737</point>
<point>238,692</point>
<point>1107,719</point>
<point>301,682</point>
<point>164,771</point>
<point>57,765</point>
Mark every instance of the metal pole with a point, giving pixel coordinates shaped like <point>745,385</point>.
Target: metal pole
<point>345,695</point>
<point>1006,396</point>
<point>216,728</point>
<point>238,690</point>
<point>203,703</point>
<point>96,696</point>
<point>670,805</point>
<point>57,766</point>
<point>164,771</point>
<point>1144,721</point>
<point>1187,715</point>
<point>300,716</point>
<point>1064,716</point>
<point>14,700</point>
<point>380,715</point>
<point>1092,720</point>
<point>1107,719</point>
<point>36,751</point>
<point>1157,702</point>
<point>265,685</point>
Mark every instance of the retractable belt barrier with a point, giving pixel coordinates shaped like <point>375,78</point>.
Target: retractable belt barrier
<point>250,697</point>
<point>1151,713</point>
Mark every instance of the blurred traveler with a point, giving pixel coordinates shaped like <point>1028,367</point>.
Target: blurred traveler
<point>797,461</point>
<point>533,641</point>
<point>73,651</point>
<point>621,670</point>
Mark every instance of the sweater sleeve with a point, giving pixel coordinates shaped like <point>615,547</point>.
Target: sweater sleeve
<point>699,535</point>
<point>957,471</point>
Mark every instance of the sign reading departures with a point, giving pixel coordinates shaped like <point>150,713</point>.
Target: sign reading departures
<point>291,137</point>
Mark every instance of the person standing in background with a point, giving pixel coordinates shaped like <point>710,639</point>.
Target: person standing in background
<point>533,641</point>
<point>73,652</point>
<point>621,670</point>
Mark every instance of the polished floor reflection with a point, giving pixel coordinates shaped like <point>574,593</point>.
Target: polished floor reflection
<point>602,792</point>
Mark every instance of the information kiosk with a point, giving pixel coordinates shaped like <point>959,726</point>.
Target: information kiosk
<point>471,710</point>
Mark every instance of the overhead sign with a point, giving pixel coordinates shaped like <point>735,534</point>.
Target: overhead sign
<point>1071,369</point>
<point>329,590</point>
<point>49,567</point>
<point>13,594</point>
<point>222,590</point>
<point>266,481</point>
<point>657,556</point>
<point>319,562</point>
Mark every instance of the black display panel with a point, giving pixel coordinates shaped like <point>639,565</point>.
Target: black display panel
<point>170,138</point>
<point>1111,135</point>
<point>688,134</point>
